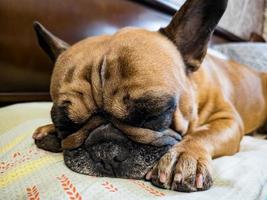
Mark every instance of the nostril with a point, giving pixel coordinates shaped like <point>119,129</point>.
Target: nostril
<point>105,168</point>
<point>121,157</point>
<point>108,157</point>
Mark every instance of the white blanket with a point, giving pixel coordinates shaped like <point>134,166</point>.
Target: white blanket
<point>27,172</point>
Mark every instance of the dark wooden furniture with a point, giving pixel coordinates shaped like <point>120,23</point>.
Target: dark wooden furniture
<point>25,70</point>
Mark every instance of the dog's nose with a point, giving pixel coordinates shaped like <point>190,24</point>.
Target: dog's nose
<point>107,148</point>
<point>108,158</point>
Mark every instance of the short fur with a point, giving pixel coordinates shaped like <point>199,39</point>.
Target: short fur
<point>146,82</point>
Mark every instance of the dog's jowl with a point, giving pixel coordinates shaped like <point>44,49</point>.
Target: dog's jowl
<point>122,102</point>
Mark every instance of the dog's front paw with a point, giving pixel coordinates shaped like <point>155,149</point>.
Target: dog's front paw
<point>43,131</point>
<point>45,137</point>
<point>183,169</point>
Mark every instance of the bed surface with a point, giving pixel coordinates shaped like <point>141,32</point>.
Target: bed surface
<point>27,172</point>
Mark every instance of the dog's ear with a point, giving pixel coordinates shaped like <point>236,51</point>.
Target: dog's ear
<point>52,45</point>
<point>192,27</point>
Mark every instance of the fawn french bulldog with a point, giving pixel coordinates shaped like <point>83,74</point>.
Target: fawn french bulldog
<point>144,89</point>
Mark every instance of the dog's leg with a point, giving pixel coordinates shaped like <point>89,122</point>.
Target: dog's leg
<point>77,139</point>
<point>46,138</point>
<point>43,131</point>
<point>263,129</point>
<point>187,166</point>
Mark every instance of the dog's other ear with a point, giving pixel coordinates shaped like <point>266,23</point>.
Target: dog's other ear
<point>52,45</point>
<point>192,27</point>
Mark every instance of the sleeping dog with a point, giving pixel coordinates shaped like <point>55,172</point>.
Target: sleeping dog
<point>122,101</point>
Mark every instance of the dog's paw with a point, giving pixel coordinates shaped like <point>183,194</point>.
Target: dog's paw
<point>74,141</point>
<point>43,131</point>
<point>183,170</point>
<point>49,143</point>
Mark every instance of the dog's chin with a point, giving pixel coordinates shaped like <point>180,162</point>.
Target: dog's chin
<point>107,152</point>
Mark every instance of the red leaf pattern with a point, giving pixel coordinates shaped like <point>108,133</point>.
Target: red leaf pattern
<point>16,154</point>
<point>69,188</point>
<point>109,186</point>
<point>33,193</point>
<point>20,157</point>
<point>148,188</point>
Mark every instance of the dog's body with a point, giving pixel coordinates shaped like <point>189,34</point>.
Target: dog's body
<point>139,82</point>
<point>241,87</point>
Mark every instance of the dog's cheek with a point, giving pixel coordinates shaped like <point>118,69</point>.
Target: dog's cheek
<point>77,111</point>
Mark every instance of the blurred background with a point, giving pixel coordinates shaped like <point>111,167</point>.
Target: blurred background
<point>25,70</point>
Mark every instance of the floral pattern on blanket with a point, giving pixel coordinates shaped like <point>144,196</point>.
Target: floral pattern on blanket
<point>24,166</point>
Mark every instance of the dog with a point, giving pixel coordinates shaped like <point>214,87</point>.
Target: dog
<point>150,87</point>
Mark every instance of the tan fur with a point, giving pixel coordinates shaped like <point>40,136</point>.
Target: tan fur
<point>216,105</point>
<point>43,131</point>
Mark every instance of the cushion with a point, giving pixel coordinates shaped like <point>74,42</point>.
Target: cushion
<point>27,172</point>
<point>251,54</point>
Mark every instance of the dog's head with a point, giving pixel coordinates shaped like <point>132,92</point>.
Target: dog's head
<point>136,80</point>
